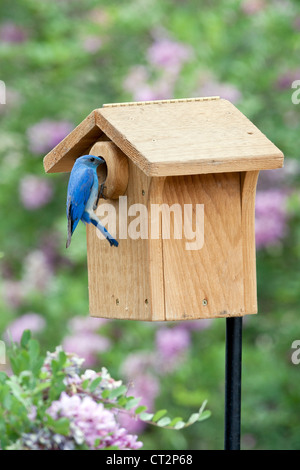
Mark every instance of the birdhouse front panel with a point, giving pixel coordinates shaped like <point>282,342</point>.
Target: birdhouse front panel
<point>179,184</point>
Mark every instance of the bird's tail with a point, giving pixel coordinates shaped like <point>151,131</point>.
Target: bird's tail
<point>104,232</point>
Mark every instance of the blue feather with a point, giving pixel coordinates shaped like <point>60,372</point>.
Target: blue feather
<point>82,194</point>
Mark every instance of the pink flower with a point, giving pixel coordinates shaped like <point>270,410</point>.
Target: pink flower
<point>270,217</point>
<point>13,293</point>
<point>138,84</point>
<point>212,87</point>
<point>92,44</point>
<point>35,192</point>
<point>86,345</point>
<point>138,362</point>
<point>37,272</point>
<point>251,7</point>
<point>46,134</point>
<point>171,343</point>
<point>166,53</point>
<point>86,324</point>
<point>94,422</point>
<point>30,321</point>
<point>12,33</point>
<point>197,325</point>
<point>285,80</point>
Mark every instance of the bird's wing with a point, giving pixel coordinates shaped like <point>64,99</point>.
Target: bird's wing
<point>79,190</point>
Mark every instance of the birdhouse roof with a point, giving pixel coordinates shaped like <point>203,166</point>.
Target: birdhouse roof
<point>172,137</point>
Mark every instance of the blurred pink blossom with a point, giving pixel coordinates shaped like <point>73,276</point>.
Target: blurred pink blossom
<point>197,325</point>
<point>171,343</point>
<point>37,271</point>
<point>13,293</point>
<point>168,54</point>
<point>99,15</point>
<point>137,363</point>
<point>270,217</point>
<point>81,324</point>
<point>137,77</point>
<point>46,134</point>
<point>29,321</point>
<point>87,345</point>
<point>211,87</point>
<point>92,44</point>
<point>139,85</point>
<point>12,33</point>
<point>251,7</point>
<point>35,192</point>
<point>285,80</point>
<point>296,23</point>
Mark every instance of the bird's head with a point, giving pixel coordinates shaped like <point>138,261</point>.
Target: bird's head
<point>90,161</point>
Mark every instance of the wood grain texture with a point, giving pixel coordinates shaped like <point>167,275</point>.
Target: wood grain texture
<point>248,190</point>
<point>119,285</point>
<point>213,274</point>
<point>194,137</point>
<point>76,144</point>
<point>155,251</point>
<point>172,137</point>
<point>115,173</point>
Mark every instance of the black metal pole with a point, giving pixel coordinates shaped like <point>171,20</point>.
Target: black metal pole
<point>233,375</point>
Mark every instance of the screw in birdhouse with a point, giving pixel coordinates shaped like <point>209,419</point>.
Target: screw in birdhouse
<point>146,301</point>
<point>204,302</point>
<point>117,301</point>
<point>143,192</point>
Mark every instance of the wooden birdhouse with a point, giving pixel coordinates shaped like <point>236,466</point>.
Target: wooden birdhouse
<point>173,155</point>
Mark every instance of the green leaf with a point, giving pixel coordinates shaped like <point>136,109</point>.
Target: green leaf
<point>163,421</point>
<point>159,414</point>
<point>3,377</point>
<point>179,425</point>
<point>140,409</point>
<point>205,415</point>
<point>175,420</point>
<point>61,426</point>
<point>117,392</point>
<point>132,402</point>
<point>146,416</point>
<point>95,384</point>
<point>193,418</point>
<point>105,394</point>
<point>25,338</point>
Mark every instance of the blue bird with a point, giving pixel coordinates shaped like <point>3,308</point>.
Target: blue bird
<point>82,196</point>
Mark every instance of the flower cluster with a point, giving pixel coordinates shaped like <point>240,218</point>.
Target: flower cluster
<point>270,217</point>
<point>84,339</point>
<point>35,192</point>
<point>92,423</point>
<point>78,417</point>
<point>46,134</point>
<point>165,59</point>
<point>50,404</point>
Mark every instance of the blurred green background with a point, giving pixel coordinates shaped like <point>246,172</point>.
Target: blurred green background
<point>60,60</point>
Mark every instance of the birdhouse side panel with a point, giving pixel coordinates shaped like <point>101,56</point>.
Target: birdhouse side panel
<point>206,280</point>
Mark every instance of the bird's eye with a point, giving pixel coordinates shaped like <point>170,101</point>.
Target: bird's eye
<point>92,159</point>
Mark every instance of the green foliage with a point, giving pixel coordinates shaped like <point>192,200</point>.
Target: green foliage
<point>38,381</point>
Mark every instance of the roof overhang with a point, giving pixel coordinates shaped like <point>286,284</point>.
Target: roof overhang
<point>172,137</point>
